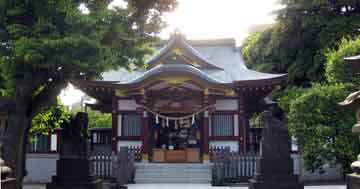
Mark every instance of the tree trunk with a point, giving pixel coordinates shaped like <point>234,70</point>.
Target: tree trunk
<point>15,143</point>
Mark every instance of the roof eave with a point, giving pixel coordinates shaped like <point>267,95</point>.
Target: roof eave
<point>279,80</point>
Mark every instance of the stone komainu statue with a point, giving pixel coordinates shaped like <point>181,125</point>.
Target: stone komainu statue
<point>74,137</point>
<point>274,167</point>
<point>73,167</point>
<point>276,142</point>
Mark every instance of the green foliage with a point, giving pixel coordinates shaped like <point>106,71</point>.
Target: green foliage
<point>259,50</point>
<point>45,43</point>
<point>314,116</point>
<point>298,41</point>
<point>336,69</point>
<point>298,44</point>
<point>99,120</point>
<point>55,117</point>
<point>322,127</point>
<point>287,96</point>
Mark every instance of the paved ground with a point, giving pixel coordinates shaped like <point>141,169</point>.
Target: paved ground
<point>204,186</point>
<point>191,186</point>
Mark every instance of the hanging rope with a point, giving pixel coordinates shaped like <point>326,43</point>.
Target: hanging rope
<point>157,119</point>
<point>158,115</point>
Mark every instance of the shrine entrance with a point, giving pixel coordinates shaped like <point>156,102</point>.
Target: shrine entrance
<point>176,141</point>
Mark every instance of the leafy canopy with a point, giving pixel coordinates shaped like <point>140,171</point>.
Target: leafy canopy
<point>296,44</point>
<point>45,43</point>
<point>99,120</point>
<point>322,127</point>
<point>336,68</point>
<point>54,117</point>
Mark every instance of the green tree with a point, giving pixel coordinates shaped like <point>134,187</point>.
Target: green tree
<point>336,69</point>
<point>99,120</point>
<point>322,127</point>
<point>46,121</point>
<point>45,43</point>
<point>315,118</point>
<point>298,41</point>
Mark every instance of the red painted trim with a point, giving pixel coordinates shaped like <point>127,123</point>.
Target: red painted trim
<point>114,132</point>
<point>115,118</point>
<point>242,126</point>
<point>44,152</point>
<point>92,140</point>
<point>226,97</point>
<point>246,132</point>
<point>226,138</point>
<point>128,112</point>
<point>129,138</point>
<point>226,112</point>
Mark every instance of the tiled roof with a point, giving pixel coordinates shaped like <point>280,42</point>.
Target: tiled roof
<point>227,63</point>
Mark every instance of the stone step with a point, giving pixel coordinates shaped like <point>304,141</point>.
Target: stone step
<point>172,180</point>
<point>172,173</point>
<point>175,170</point>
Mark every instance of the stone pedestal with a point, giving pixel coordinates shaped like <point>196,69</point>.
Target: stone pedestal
<point>73,167</point>
<point>73,173</point>
<point>8,183</point>
<point>353,181</point>
<point>274,168</point>
<point>275,173</point>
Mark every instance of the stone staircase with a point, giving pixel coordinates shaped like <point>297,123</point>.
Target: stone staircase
<point>173,173</point>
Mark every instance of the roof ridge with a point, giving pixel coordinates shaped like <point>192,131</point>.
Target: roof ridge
<point>204,42</point>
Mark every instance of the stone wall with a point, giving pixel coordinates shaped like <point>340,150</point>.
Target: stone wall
<point>40,167</point>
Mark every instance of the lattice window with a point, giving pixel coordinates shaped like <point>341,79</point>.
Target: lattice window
<point>131,125</point>
<point>222,124</point>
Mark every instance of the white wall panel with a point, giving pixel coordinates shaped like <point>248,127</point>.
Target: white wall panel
<point>53,143</point>
<point>228,104</point>
<point>119,126</point>
<point>236,125</point>
<point>127,105</point>
<point>40,167</point>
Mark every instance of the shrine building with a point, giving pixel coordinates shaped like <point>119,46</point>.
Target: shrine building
<point>192,96</point>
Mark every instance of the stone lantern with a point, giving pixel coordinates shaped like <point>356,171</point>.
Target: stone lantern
<point>353,101</point>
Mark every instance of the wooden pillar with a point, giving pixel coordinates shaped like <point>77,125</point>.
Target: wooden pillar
<point>145,136</point>
<point>243,124</point>
<point>205,131</point>
<point>92,140</point>
<point>114,133</point>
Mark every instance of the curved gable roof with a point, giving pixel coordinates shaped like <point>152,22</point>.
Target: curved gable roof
<point>170,69</point>
<point>177,46</point>
<point>218,61</point>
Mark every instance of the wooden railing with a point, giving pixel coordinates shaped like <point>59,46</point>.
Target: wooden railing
<point>119,167</point>
<point>101,164</point>
<point>230,167</point>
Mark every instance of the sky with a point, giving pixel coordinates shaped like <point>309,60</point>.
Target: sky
<point>206,19</point>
